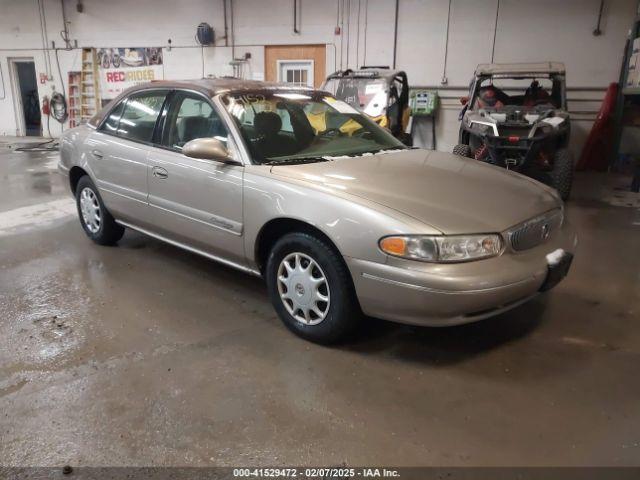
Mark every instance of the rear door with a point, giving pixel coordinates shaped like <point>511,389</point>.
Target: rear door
<point>117,154</point>
<point>197,202</point>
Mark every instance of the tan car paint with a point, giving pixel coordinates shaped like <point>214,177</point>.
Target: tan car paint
<point>451,193</point>
<point>354,202</point>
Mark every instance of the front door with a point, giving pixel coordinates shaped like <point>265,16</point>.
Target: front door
<point>117,154</point>
<point>26,101</point>
<point>192,201</point>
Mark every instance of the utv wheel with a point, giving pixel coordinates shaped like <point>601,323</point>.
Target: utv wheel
<point>462,150</point>
<point>311,289</point>
<point>561,177</point>
<point>96,220</point>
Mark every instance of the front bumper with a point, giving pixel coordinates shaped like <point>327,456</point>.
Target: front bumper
<point>524,152</point>
<point>430,294</point>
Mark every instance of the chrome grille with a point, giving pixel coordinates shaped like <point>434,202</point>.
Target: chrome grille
<point>535,231</point>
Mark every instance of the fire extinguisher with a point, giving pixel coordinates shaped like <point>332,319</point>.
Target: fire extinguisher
<point>46,108</point>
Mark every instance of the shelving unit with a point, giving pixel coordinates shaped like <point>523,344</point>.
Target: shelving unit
<point>627,113</point>
<point>73,98</point>
<point>89,100</point>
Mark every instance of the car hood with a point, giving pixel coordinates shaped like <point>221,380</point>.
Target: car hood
<point>450,193</point>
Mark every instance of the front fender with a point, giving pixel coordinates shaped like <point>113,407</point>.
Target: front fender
<point>353,224</point>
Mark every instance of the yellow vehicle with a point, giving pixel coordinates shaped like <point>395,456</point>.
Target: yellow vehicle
<point>379,92</point>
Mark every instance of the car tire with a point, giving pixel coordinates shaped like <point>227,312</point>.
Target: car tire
<point>462,150</point>
<point>96,221</point>
<point>315,270</point>
<point>561,176</point>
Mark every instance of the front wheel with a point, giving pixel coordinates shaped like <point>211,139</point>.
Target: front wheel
<point>462,150</point>
<point>96,220</point>
<point>311,289</point>
<point>561,176</point>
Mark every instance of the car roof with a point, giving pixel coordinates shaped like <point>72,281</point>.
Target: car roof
<point>367,72</point>
<point>207,86</point>
<point>519,68</point>
<point>215,86</point>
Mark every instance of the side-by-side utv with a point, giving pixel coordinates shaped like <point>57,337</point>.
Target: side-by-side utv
<point>516,117</point>
<point>379,92</point>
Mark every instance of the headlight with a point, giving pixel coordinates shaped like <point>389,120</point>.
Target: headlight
<point>442,249</point>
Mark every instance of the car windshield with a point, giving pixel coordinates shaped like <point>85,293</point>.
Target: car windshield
<point>528,93</point>
<point>367,94</point>
<point>288,126</point>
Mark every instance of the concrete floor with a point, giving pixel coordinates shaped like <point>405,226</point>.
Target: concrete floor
<point>143,354</point>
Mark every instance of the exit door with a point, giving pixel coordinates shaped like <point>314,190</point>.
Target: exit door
<point>25,97</point>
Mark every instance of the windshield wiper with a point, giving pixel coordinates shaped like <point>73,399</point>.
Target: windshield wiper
<point>328,158</point>
<point>293,161</point>
<point>386,149</point>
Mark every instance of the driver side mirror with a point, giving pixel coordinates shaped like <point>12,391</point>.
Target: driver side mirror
<point>208,149</point>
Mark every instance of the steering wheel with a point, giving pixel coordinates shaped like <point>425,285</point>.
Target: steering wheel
<point>330,132</point>
<point>360,133</point>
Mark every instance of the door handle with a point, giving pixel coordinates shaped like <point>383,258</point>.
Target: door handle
<point>97,153</point>
<point>159,172</point>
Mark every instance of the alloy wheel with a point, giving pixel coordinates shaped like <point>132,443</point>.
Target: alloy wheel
<point>90,208</point>
<point>303,288</point>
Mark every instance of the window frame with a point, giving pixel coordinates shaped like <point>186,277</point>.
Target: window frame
<point>244,156</point>
<point>169,104</point>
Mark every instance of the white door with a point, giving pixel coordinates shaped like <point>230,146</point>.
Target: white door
<point>297,72</point>
<point>26,102</point>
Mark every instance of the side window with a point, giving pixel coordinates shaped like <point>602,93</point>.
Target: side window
<point>111,123</point>
<point>139,116</point>
<point>191,117</point>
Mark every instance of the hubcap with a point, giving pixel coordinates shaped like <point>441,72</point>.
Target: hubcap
<point>90,208</point>
<point>303,288</point>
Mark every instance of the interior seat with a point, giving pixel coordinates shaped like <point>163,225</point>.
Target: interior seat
<point>272,143</point>
<point>193,127</point>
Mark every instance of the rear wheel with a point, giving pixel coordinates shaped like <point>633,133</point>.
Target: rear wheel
<point>561,176</point>
<point>96,220</point>
<point>462,150</point>
<point>311,289</point>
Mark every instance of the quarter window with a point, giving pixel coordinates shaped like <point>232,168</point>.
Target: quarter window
<point>139,117</point>
<point>113,119</point>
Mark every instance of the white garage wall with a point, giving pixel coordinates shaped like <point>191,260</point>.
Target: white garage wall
<point>526,31</point>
